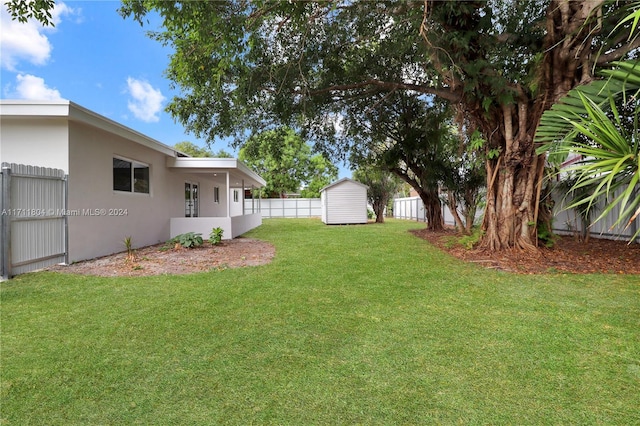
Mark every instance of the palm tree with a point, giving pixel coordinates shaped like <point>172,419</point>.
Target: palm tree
<point>588,123</point>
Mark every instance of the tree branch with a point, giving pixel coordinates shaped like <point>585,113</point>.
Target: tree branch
<point>618,53</point>
<point>451,95</point>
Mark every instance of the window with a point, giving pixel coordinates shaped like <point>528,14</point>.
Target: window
<point>235,195</point>
<point>130,176</point>
<point>216,194</point>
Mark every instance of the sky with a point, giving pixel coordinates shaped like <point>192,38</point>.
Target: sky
<point>99,60</point>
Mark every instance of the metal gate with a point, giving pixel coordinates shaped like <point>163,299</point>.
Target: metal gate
<point>33,221</point>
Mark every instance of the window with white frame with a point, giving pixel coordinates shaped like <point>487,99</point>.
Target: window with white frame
<point>130,176</point>
<point>235,195</point>
<point>216,194</point>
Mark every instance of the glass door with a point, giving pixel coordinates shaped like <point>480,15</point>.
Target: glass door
<point>191,199</point>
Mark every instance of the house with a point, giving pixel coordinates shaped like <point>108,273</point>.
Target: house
<point>121,183</point>
<point>344,202</point>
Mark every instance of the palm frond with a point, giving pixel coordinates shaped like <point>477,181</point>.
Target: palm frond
<point>610,160</point>
<point>620,82</point>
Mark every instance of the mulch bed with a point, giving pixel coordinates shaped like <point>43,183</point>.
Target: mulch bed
<point>160,259</point>
<point>568,255</point>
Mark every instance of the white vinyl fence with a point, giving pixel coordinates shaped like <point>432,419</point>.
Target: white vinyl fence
<point>287,207</point>
<point>412,208</point>
<point>33,222</point>
<point>565,222</point>
<point>568,222</point>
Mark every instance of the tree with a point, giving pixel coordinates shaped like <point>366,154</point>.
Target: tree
<point>40,10</point>
<point>194,150</point>
<point>285,161</point>
<point>321,173</point>
<point>464,182</point>
<point>414,137</point>
<point>406,135</point>
<point>382,186</point>
<point>252,64</point>
<point>504,63</point>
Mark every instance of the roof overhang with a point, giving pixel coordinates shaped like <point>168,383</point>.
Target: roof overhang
<point>238,171</point>
<point>75,113</point>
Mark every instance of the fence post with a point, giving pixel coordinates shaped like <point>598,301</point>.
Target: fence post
<point>6,222</point>
<point>65,188</point>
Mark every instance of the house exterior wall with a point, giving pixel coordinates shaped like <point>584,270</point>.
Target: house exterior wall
<point>344,203</point>
<point>148,216</point>
<point>42,143</point>
<point>102,218</point>
<point>208,206</point>
<point>83,144</point>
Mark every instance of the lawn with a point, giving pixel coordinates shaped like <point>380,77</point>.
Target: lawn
<point>348,325</point>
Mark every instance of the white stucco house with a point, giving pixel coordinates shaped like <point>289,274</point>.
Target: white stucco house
<point>153,191</point>
<point>344,202</point>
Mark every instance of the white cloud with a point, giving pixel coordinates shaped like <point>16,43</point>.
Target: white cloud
<point>34,88</point>
<point>27,41</point>
<point>147,101</point>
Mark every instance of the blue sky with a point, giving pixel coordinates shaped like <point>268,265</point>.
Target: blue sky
<point>98,60</point>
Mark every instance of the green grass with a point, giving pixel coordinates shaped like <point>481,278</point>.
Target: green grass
<point>348,325</point>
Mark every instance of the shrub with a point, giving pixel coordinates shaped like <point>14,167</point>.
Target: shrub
<point>128,244</point>
<point>187,240</point>
<point>216,236</point>
<point>466,241</point>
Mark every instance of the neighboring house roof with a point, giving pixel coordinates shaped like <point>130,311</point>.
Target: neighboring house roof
<point>344,180</point>
<point>25,109</point>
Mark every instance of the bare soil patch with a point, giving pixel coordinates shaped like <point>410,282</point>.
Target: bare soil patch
<point>160,259</point>
<point>568,255</point>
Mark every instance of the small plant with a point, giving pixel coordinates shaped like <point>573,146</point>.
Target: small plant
<point>187,240</point>
<point>216,236</point>
<point>128,244</point>
<point>470,241</point>
<point>545,235</point>
<point>466,241</point>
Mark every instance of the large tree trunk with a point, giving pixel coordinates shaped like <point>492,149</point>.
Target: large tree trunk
<point>511,211</point>
<point>378,210</point>
<point>453,208</point>
<point>432,209</point>
<point>515,177</point>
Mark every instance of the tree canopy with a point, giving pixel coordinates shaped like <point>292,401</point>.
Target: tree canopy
<point>252,64</point>
<point>284,160</point>
<point>194,150</point>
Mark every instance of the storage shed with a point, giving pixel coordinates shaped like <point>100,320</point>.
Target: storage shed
<point>344,202</point>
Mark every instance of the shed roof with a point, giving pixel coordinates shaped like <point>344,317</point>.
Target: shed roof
<point>338,182</point>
